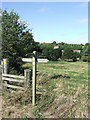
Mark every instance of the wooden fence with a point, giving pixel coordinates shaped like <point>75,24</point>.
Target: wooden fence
<point>26,79</point>
<point>15,81</point>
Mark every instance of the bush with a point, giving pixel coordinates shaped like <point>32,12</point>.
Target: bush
<point>68,53</point>
<point>51,54</point>
<point>84,58</point>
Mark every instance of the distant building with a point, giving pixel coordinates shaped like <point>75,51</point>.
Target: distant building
<point>78,51</point>
<point>56,47</point>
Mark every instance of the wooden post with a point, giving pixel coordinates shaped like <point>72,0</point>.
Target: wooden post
<point>5,66</point>
<point>27,76</point>
<point>2,66</point>
<point>34,79</point>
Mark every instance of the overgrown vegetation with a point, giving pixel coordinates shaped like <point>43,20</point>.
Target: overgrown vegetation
<point>66,90</point>
<point>62,92</point>
<point>17,40</point>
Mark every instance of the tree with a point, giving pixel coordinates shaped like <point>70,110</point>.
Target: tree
<point>68,53</point>
<point>17,40</point>
<point>87,43</point>
<point>50,53</point>
<point>86,53</point>
<point>28,45</point>
<point>54,43</point>
<point>54,54</point>
<point>11,31</point>
<point>75,56</point>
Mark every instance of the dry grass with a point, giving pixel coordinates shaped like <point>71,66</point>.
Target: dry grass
<point>64,88</point>
<point>17,104</point>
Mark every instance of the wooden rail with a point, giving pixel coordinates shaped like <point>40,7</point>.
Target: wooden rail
<point>13,86</point>
<point>8,79</point>
<point>13,76</point>
<point>12,80</point>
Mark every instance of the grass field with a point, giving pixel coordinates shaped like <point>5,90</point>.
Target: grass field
<point>64,87</point>
<point>64,90</point>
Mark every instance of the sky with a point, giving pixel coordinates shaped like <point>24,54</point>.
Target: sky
<point>54,21</point>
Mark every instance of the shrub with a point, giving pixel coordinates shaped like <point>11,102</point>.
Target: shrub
<point>51,54</point>
<point>68,53</point>
<point>84,58</point>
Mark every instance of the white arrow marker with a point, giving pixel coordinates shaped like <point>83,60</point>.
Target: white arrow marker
<point>39,60</point>
<point>42,60</point>
<point>27,59</point>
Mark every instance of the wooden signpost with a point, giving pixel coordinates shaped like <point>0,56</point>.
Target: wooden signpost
<point>33,60</point>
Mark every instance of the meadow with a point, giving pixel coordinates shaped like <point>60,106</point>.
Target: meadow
<point>62,92</point>
<point>64,87</point>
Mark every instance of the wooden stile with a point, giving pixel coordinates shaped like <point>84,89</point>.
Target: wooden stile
<point>13,86</point>
<point>12,80</point>
<point>13,76</point>
<point>27,76</point>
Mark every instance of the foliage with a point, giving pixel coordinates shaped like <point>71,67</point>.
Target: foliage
<point>28,45</point>
<point>68,53</point>
<point>17,40</point>
<point>49,52</point>
<point>11,31</point>
<point>73,46</point>
<point>86,53</point>
<point>76,55</point>
<point>84,58</point>
<point>54,54</point>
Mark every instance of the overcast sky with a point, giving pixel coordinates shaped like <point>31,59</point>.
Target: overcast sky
<point>54,21</point>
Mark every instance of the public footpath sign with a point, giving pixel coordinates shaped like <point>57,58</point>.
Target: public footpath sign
<point>33,60</point>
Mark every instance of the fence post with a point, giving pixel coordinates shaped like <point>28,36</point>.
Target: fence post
<point>2,66</point>
<point>5,66</point>
<point>27,77</point>
<point>34,79</point>
<point>5,69</point>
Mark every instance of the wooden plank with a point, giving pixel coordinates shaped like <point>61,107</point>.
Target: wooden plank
<point>13,76</point>
<point>27,76</point>
<point>42,60</point>
<point>34,80</point>
<point>5,66</point>
<point>39,92</point>
<point>12,80</point>
<point>27,59</point>
<point>38,86</point>
<point>12,86</point>
<point>39,60</point>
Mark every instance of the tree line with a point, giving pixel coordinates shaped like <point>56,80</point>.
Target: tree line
<point>18,42</point>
